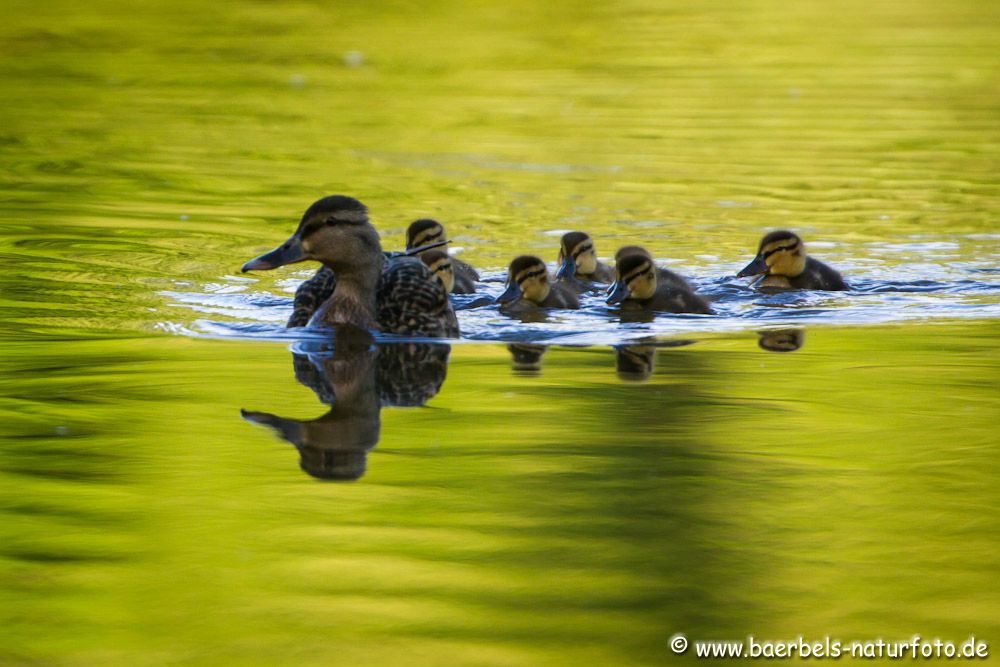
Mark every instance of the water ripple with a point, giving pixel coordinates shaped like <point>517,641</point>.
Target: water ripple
<point>955,291</point>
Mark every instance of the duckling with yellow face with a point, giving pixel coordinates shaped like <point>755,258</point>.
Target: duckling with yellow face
<point>578,260</point>
<point>528,286</point>
<point>782,261</point>
<point>663,276</point>
<point>426,232</point>
<point>441,266</point>
<point>637,288</point>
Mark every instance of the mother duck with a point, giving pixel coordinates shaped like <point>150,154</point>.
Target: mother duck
<point>389,294</point>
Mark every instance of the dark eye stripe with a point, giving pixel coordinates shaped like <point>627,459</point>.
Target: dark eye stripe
<point>442,267</point>
<point>582,249</point>
<point>531,274</point>
<point>780,248</point>
<point>641,272</point>
<point>310,228</point>
<point>424,239</point>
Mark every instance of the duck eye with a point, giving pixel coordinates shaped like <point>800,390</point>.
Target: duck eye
<point>331,220</point>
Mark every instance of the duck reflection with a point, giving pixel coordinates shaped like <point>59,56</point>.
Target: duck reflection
<point>526,358</point>
<point>781,340</point>
<point>356,378</point>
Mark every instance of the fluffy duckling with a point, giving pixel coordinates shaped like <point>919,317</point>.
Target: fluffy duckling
<point>441,266</point>
<point>782,260</point>
<point>637,288</point>
<point>425,232</point>
<point>528,285</point>
<point>373,291</point>
<point>663,276</point>
<point>578,259</point>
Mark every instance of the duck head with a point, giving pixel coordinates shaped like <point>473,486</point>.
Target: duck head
<point>576,255</point>
<point>335,231</point>
<point>781,253</point>
<point>635,279</point>
<point>528,279</point>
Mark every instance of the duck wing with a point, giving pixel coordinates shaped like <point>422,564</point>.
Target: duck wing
<point>310,295</point>
<point>410,302</point>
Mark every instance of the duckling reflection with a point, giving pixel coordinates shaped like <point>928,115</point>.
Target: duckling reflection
<point>781,340</point>
<point>635,363</point>
<point>356,380</point>
<point>526,358</point>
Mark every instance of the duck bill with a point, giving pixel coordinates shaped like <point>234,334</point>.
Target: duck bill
<point>619,292</point>
<point>287,253</point>
<point>512,293</point>
<point>754,268</point>
<point>567,269</point>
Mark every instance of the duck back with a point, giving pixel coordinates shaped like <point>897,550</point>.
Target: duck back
<point>818,276</point>
<point>561,296</point>
<point>410,302</point>
<point>670,299</point>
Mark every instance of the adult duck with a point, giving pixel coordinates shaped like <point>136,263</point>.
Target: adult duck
<point>392,294</point>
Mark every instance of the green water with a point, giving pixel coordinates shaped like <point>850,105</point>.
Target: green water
<point>572,514</point>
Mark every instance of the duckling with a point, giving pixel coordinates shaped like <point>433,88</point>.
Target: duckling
<point>372,291</point>
<point>578,259</point>
<point>637,289</point>
<point>441,266</point>
<point>663,276</point>
<point>528,285</point>
<point>425,232</point>
<point>782,260</point>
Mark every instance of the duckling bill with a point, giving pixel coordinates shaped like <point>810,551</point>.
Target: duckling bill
<point>782,262</point>
<point>528,285</point>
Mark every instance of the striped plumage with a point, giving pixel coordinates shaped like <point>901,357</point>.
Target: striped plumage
<point>427,231</point>
<point>663,276</point>
<point>782,261</point>
<point>637,287</point>
<point>578,263</point>
<point>528,286</point>
<point>412,302</point>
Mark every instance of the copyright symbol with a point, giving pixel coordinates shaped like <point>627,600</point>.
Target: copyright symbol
<point>678,643</point>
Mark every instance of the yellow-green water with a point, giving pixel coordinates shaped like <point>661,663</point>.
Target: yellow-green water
<point>569,515</point>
